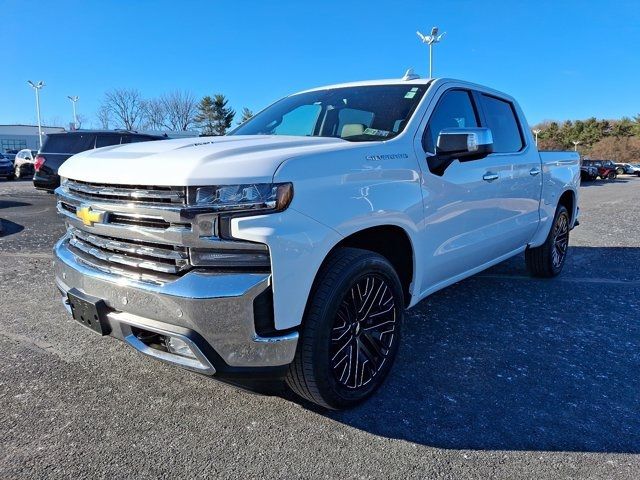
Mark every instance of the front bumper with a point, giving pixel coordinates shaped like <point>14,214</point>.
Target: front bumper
<point>214,312</point>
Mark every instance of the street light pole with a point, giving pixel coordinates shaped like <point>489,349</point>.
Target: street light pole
<point>74,99</point>
<point>575,145</point>
<point>536,132</point>
<point>430,40</point>
<point>37,87</point>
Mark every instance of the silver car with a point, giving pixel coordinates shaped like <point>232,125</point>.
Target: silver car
<point>24,163</point>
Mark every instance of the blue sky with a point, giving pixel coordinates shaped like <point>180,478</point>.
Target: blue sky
<point>560,59</point>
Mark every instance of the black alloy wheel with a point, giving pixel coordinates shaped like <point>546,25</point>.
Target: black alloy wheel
<point>363,332</point>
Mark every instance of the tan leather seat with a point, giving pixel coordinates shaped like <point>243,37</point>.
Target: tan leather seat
<point>351,129</point>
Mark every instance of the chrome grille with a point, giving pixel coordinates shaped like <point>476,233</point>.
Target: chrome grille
<point>156,257</point>
<point>150,237</point>
<point>129,193</point>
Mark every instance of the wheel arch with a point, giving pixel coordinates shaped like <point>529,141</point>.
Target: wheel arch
<point>568,200</point>
<point>392,242</point>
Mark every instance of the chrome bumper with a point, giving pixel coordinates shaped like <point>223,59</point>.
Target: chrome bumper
<point>218,307</point>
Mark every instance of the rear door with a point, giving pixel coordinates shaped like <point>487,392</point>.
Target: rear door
<point>519,169</point>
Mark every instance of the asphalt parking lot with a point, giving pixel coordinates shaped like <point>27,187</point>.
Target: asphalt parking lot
<point>499,376</point>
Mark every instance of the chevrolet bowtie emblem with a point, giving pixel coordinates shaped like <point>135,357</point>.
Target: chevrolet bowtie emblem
<point>88,216</point>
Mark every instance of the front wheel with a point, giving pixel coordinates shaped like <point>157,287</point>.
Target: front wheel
<point>351,330</point>
<point>548,259</point>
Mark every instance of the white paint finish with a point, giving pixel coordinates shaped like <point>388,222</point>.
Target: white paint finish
<point>298,246</point>
<point>458,224</point>
<point>193,161</point>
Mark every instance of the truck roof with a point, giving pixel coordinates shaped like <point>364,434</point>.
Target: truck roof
<point>416,81</point>
<point>390,81</point>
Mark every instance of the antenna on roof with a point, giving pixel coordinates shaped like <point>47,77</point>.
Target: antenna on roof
<point>410,75</point>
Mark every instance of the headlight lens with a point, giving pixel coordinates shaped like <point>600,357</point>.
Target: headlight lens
<point>246,197</point>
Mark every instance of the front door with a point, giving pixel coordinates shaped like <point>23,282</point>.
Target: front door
<point>475,211</point>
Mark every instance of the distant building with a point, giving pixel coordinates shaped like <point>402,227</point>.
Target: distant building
<point>17,137</point>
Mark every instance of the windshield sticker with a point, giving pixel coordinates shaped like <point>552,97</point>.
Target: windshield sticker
<point>376,132</point>
<point>411,93</point>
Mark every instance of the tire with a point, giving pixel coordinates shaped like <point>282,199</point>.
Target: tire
<point>619,171</point>
<point>335,335</point>
<point>548,259</point>
<point>17,173</point>
<point>612,175</point>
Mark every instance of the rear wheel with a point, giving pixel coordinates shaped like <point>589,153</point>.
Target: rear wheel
<point>351,330</point>
<point>619,170</point>
<point>548,259</point>
<point>612,175</point>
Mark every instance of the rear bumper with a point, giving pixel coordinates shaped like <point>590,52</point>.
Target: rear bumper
<point>213,312</point>
<point>46,181</point>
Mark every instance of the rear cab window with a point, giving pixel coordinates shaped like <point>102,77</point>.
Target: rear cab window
<point>501,118</point>
<point>68,144</point>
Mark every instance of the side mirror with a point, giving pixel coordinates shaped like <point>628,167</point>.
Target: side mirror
<point>463,144</point>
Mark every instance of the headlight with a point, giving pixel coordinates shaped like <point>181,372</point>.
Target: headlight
<point>266,197</point>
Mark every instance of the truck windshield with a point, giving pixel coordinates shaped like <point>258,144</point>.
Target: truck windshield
<point>357,114</point>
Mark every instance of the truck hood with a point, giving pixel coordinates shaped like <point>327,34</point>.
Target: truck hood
<point>193,161</point>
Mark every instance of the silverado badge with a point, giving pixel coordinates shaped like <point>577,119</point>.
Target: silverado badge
<point>89,216</point>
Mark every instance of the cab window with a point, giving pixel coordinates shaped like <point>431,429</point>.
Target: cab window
<point>501,118</point>
<point>454,110</point>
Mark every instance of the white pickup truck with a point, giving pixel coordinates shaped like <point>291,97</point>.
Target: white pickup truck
<point>290,248</point>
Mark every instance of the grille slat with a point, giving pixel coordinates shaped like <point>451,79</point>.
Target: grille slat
<point>157,257</point>
<point>130,193</point>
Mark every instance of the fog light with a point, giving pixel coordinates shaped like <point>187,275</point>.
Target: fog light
<point>178,347</point>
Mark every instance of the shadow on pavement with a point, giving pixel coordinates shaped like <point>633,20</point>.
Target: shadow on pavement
<point>12,204</point>
<point>493,363</point>
<point>7,227</point>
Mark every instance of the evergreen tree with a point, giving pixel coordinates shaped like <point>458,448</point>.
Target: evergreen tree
<point>222,115</point>
<point>205,116</point>
<point>246,115</point>
<point>214,116</point>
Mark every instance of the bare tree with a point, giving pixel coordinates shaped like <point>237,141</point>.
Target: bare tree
<point>126,106</point>
<point>104,116</point>
<point>154,114</point>
<point>180,109</point>
<point>82,120</point>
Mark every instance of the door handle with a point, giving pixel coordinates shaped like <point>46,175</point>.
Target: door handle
<point>490,177</point>
<point>534,171</point>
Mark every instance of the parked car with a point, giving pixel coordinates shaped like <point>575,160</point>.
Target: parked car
<point>23,163</point>
<point>628,168</point>
<point>10,154</point>
<point>58,147</point>
<point>606,168</point>
<point>588,172</point>
<point>291,247</point>
<point>6,167</point>
<point>619,168</point>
